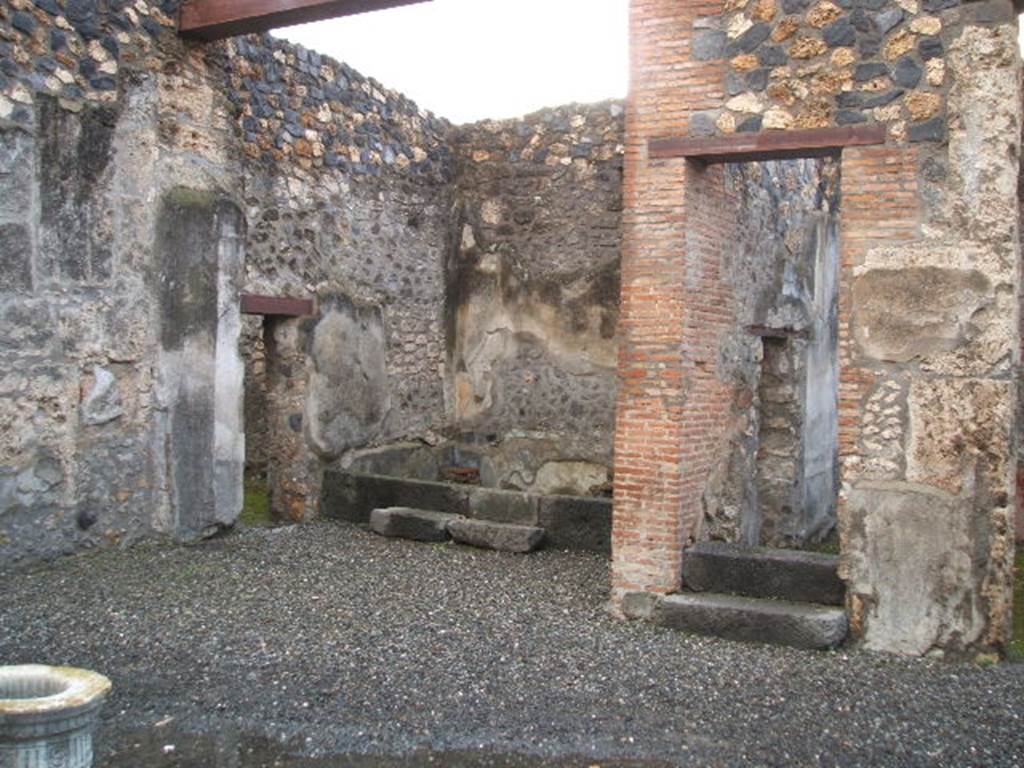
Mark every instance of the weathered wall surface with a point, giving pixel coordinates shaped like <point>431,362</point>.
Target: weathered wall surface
<point>928,306</point>
<point>532,294</point>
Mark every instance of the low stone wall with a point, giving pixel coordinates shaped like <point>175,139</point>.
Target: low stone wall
<point>570,522</point>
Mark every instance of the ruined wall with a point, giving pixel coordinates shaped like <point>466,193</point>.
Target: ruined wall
<point>120,256</point>
<point>928,306</point>
<point>532,295</point>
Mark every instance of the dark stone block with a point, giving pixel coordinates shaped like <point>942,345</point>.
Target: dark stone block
<point>839,33</point>
<point>751,125</point>
<point>708,44</point>
<point>757,80</point>
<point>887,20</point>
<point>869,45</point>
<point>850,99</point>
<point>881,99</point>
<point>907,73</point>
<point>414,524</point>
<point>930,48</point>
<point>850,117</point>
<point>24,22</point>
<point>734,84</point>
<point>749,40</point>
<point>862,22</point>
<point>795,6</point>
<point>865,72</point>
<point>50,6</point>
<point>797,625</point>
<point>577,523</point>
<point>933,6</point>
<point>781,574</point>
<point>503,506</point>
<point>772,56</point>
<point>352,497</point>
<point>870,5</point>
<point>15,258</point>
<point>990,12</point>
<point>930,130</point>
<point>499,536</point>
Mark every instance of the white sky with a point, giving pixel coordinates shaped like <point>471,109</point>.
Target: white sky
<point>472,59</point>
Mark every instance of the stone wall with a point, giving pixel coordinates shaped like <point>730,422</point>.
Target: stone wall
<point>928,304</point>
<point>532,295</point>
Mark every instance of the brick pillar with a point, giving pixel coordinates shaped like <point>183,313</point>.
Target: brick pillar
<point>665,357</point>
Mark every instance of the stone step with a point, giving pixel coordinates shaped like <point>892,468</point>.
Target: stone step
<point>798,625</point>
<point>501,536</point>
<point>781,574</point>
<point>409,523</point>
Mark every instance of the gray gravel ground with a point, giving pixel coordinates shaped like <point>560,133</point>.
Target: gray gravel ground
<point>329,641</point>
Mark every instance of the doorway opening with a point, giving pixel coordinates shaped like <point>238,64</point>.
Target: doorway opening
<point>256,497</point>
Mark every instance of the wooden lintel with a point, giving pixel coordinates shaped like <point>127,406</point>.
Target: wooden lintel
<point>768,145</point>
<point>217,19</point>
<point>275,306</point>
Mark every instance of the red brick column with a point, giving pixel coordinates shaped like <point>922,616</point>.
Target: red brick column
<point>663,430</point>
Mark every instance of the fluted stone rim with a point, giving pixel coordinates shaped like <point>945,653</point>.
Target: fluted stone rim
<point>74,690</point>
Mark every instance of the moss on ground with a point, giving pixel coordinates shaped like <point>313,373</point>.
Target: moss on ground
<point>256,502</point>
<point>1016,650</point>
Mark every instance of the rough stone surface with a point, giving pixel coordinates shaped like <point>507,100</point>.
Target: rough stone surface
<point>798,625</point>
<point>802,577</point>
<point>415,524</point>
<point>501,536</point>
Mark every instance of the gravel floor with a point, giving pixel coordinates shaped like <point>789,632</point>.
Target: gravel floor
<point>330,641</point>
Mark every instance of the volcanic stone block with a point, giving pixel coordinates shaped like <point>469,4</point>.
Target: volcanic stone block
<point>798,625</point>
<point>503,506</point>
<point>500,536</point>
<point>783,574</point>
<point>352,497</point>
<point>415,524</point>
<point>577,523</point>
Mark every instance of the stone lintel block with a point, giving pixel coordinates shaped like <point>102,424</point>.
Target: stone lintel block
<point>500,536</point>
<point>408,523</point>
<point>798,625</point>
<point>782,574</point>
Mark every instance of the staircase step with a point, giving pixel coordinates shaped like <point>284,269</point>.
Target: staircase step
<point>782,574</point>
<point>798,625</point>
<point>409,523</point>
<point>500,536</point>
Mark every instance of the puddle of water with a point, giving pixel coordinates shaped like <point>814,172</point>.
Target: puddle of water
<point>164,748</point>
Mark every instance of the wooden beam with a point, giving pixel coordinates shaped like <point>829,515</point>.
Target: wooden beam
<point>216,19</point>
<point>768,145</point>
<point>275,306</point>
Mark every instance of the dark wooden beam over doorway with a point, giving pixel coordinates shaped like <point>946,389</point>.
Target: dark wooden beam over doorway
<point>275,306</point>
<point>768,145</point>
<point>216,19</point>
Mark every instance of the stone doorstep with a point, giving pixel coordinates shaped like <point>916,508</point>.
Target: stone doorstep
<point>500,536</point>
<point>408,523</point>
<point>781,574</point>
<point>778,622</point>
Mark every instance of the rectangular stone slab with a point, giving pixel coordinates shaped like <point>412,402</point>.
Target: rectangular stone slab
<point>783,574</point>
<point>798,625</point>
<point>408,523</point>
<point>500,536</point>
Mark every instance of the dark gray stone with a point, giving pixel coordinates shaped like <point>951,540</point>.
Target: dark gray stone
<point>784,574</point>
<point>795,6</point>
<point>734,84</point>
<point>15,258</point>
<point>751,125</point>
<point>990,12</point>
<point>503,506</point>
<point>869,71</point>
<point>930,130</point>
<point>839,32</point>
<point>577,523</point>
<point>757,80</point>
<point>933,6</point>
<point>930,48</point>
<point>869,45</point>
<point>408,523</point>
<point>702,124</point>
<point>499,536</point>
<point>907,73</point>
<point>886,20</point>
<point>850,99</point>
<point>762,621</point>
<point>351,496</point>
<point>639,605</point>
<point>749,40</point>
<point>772,56</point>
<point>708,44</point>
<point>881,99</point>
<point>850,117</point>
